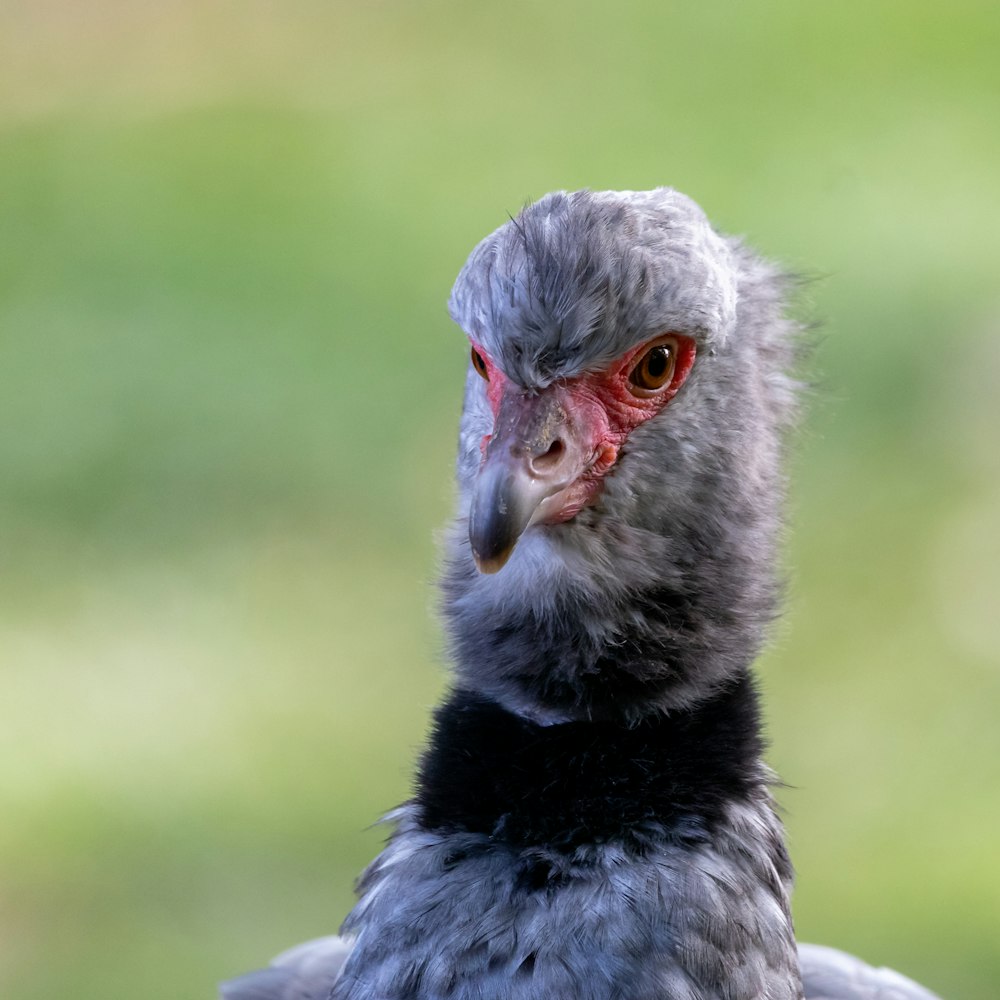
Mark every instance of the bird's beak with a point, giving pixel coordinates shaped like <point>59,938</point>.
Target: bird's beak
<point>537,450</point>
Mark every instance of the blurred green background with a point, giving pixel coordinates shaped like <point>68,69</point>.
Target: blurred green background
<point>228,398</point>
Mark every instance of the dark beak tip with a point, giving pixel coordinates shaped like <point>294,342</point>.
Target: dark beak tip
<point>488,565</point>
<point>496,521</point>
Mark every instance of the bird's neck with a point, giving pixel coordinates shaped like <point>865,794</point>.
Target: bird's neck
<point>554,652</point>
<point>562,787</point>
<point>650,850</point>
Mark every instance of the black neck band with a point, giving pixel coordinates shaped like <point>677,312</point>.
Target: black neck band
<point>492,772</point>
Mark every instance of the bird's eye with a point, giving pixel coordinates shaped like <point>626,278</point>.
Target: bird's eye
<point>656,368</point>
<point>479,363</point>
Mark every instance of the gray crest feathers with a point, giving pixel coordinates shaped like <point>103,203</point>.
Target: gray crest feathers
<point>577,278</point>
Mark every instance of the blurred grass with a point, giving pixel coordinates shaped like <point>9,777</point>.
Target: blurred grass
<point>228,394</point>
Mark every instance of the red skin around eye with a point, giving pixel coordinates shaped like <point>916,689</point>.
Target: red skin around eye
<point>604,402</point>
<point>599,411</point>
<point>496,384</point>
<point>624,409</point>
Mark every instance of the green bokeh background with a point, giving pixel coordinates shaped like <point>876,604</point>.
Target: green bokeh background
<point>228,397</point>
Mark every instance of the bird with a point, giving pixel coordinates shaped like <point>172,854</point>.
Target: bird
<point>592,817</point>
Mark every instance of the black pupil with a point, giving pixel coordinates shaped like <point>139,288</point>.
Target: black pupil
<point>656,363</point>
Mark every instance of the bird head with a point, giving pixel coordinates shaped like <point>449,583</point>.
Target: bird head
<point>586,315</point>
<point>620,441</point>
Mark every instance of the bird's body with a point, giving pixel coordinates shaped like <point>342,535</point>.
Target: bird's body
<point>587,859</point>
<point>592,817</point>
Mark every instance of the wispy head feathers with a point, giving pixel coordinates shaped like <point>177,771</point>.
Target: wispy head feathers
<point>577,279</point>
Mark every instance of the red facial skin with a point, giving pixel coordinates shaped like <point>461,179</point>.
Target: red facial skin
<point>603,409</point>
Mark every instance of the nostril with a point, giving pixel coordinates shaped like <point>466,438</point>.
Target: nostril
<point>549,459</point>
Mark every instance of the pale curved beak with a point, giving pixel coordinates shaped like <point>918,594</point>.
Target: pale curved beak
<point>536,451</point>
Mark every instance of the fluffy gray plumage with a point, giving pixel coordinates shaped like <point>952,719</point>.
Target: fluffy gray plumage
<point>828,974</point>
<point>645,604</point>
<point>308,972</point>
<point>693,506</point>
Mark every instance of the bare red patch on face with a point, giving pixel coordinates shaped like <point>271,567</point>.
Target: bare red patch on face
<point>603,408</point>
<point>625,405</point>
<point>487,370</point>
<point>496,383</point>
<point>610,407</point>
